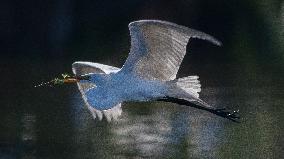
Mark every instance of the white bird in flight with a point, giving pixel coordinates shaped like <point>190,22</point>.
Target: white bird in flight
<point>149,73</point>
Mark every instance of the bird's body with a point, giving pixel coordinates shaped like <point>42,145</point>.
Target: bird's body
<point>112,89</point>
<point>149,73</point>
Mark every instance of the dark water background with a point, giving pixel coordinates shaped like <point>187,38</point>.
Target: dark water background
<point>40,40</point>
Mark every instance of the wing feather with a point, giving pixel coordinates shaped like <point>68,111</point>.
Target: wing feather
<point>82,68</point>
<point>158,48</point>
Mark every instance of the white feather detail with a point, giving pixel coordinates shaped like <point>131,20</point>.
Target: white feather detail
<point>190,84</point>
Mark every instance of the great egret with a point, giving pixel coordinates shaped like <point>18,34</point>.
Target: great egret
<point>149,73</point>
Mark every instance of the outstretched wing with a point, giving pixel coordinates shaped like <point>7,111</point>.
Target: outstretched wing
<point>158,48</point>
<point>82,68</point>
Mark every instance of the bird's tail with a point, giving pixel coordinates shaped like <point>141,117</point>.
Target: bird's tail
<point>189,84</point>
<point>185,91</point>
<point>187,88</point>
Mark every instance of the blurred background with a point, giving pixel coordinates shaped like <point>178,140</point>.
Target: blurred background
<point>39,40</point>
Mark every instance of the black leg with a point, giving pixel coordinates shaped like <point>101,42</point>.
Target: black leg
<point>223,112</point>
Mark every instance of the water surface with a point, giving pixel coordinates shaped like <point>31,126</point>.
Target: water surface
<point>54,123</point>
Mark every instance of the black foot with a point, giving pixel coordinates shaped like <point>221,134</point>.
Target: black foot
<point>225,113</point>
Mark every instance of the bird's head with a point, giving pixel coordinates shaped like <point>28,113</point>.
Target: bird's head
<point>66,79</point>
